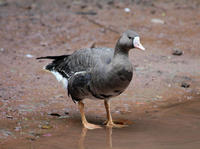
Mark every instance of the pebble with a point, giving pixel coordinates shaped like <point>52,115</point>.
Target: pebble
<point>177,52</point>
<point>139,68</point>
<point>5,133</point>
<point>157,21</point>
<point>54,114</point>
<point>47,135</point>
<point>117,111</point>
<point>153,11</point>
<point>159,97</point>
<point>99,5</point>
<point>67,113</point>
<point>29,56</point>
<point>64,117</point>
<point>169,57</point>
<point>163,14</point>
<point>44,44</point>
<point>18,128</point>
<point>127,9</point>
<point>185,85</point>
<point>3,3</point>
<point>9,116</point>
<point>110,2</point>
<point>155,106</point>
<point>46,127</point>
<point>86,13</point>
<point>2,49</point>
<point>189,97</point>
<point>83,6</point>
<point>102,30</point>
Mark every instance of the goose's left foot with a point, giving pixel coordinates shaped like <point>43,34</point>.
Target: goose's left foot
<point>91,126</point>
<point>114,125</point>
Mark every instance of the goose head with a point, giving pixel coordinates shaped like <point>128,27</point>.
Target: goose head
<point>129,40</point>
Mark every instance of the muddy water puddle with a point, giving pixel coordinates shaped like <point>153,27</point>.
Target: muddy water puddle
<point>172,126</point>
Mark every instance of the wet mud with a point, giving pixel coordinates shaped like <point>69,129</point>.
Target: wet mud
<point>161,105</point>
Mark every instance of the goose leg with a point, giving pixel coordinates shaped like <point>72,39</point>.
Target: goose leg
<point>83,118</point>
<point>109,121</point>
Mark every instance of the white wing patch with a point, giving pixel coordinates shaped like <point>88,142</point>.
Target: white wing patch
<point>60,78</point>
<point>63,80</point>
<point>79,72</point>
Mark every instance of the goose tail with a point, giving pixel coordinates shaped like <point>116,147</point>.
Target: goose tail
<point>57,60</point>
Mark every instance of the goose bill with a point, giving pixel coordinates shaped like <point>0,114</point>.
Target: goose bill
<point>137,44</point>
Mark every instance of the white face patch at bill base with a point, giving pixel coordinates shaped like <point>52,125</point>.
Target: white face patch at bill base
<point>60,78</point>
<point>137,44</point>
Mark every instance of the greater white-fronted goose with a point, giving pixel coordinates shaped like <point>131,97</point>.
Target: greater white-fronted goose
<point>96,73</point>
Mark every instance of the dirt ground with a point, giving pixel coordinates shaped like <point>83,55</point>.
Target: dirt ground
<point>161,105</point>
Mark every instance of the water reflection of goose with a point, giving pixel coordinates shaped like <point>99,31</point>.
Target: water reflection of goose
<point>83,135</point>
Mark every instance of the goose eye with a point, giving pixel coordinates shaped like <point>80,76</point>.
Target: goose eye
<point>129,38</point>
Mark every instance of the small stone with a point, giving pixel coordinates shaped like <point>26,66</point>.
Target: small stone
<point>3,3</point>
<point>159,72</point>
<point>31,138</point>
<point>55,114</point>
<point>153,11</point>
<point>163,14</point>
<point>159,97</point>
<point>83,6</point>
<point>99,5</point>
<point>169,57</point>
<point>139,68</point>
<point>9,116</point>
<point>157,21</point>
<point>155,106</point>
<point>46,127</point>
<point>5,133</point>
<point>29,56</point>
<point>117,111</point>
<point>64,117</point>
<point>47,135</point>
<point>2,49</point>
<point>30,7</point>
<point>185,85</point>
<point>43,44</point>
<point>177,52</point>
<point>102,30</point>
<point>87,13</point>
<point>127,9</point>
<point>110,2</point>
<point>18,128</point>
<point>67,113</point>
